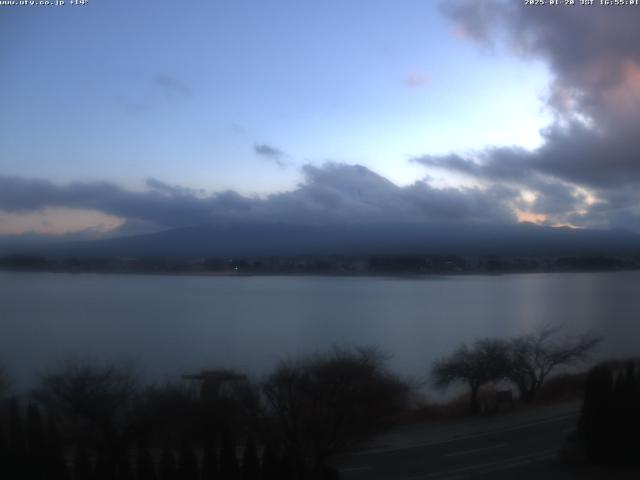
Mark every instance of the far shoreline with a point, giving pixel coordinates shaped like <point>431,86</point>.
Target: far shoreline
<point>337,274</point>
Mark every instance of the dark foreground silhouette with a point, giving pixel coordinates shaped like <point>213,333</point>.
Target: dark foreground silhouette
<point>98,422</point>
<point>610,418</point>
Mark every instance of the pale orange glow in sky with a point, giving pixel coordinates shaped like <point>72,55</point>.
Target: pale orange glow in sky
<point>567,225</point>
<point>540,219</point>
<point>57,221</point>
<point>537,218</point>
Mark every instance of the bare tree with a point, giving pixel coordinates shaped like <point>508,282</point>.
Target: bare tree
<point>324,403</point>
<point>485,361</point>
<point>94,399</point>
<point>169,411</point>
<point>536,355</point>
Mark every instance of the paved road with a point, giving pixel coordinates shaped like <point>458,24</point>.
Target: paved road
<point>518,451</point>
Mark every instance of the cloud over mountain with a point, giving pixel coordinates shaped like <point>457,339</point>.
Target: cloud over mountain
<point>330,194</point>
<point>586,172</point>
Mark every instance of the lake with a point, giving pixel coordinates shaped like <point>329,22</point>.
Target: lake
<point>169,325</point>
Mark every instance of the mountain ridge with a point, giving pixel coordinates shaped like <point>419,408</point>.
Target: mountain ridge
<point>279,239</point>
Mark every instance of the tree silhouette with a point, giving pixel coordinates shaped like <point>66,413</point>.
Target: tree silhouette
<point>104,468</point>
<point>595,423</point>
<point>620,415</point>
<point>16,451</point>
<point>485,361</point>
<point>229,468</point>
<point>57,464</point>
<point>287,470</point>
<point>145,468</point>
<point>187,463</point>
<point>81,464</point>
<point>36,465</point>
<point>535,356</point>
<point>325,403</point>
<point>250,462</point>
<point>170,411</point>
<point>270,464</point>
<point>125,471</point>
<point>97,396</point>
<point>210,462</point>
<point>168,469</point>
<point>4,455</point>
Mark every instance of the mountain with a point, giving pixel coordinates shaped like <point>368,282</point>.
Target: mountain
<point>256,240</point>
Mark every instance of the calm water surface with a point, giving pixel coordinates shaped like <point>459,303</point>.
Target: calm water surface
<point>172,324</point>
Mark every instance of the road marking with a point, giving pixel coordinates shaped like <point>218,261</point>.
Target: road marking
<point>481,449</point>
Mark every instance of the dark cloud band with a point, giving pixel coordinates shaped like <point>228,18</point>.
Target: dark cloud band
<point>333,193</point>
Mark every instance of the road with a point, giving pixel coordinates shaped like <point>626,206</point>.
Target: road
<point>519,451</point>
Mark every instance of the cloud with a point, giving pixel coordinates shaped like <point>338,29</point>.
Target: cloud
<point>267,150</point>
<point>475,20</point>
<point>160,206</point>
<point>270,153</point>
<point>416,79</point>
<point>592,52</point>
<point>330,194</point>
<point>172,190</point>
<point>587,171</point>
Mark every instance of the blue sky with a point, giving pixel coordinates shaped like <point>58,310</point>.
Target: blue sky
<point>183,92</point>
<point>126,90</point>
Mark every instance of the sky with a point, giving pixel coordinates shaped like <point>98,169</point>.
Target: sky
<point>121,117</point>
